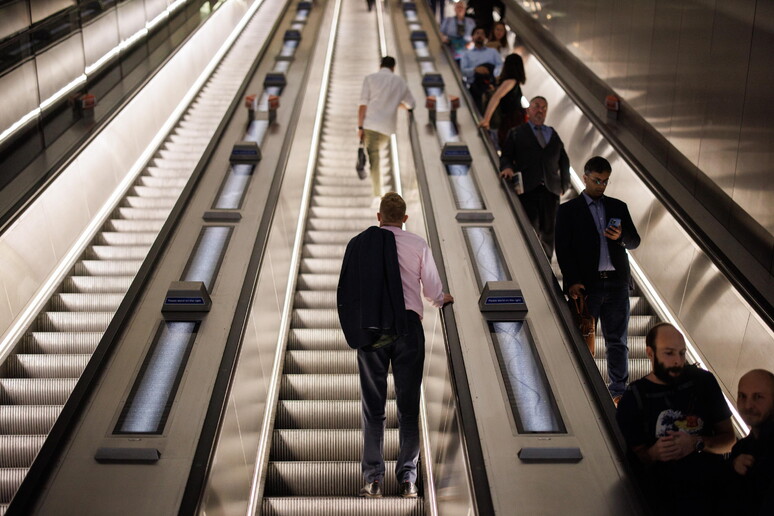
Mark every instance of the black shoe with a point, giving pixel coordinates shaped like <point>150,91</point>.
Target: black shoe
<point>371,490</point>
<point>408,490</point>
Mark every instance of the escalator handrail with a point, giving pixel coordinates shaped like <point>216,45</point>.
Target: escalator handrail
<point>456,363</point>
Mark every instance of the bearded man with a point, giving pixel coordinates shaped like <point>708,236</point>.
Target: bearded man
<point>677,425</point>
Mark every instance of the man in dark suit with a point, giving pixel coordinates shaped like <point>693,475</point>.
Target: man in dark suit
<point>536,151</point>
<point>593,233</point>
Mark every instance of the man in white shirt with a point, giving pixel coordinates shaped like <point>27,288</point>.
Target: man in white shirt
<point>383,92</point>
<point>419,276</point>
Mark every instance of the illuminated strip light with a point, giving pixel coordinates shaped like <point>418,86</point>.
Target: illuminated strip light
<point>666,314</point>
<point>295,263</point>
<point>88,70</point>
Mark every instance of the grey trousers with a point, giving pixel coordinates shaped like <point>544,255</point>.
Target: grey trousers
<point>407,356</point>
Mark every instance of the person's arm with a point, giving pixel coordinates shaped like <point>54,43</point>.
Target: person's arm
<point>499,93</point>
<point>626,234</point>
<point>432,288</point>
<point>408,99</point>
<point>467,66</point>
<point>508,155</point>
<point>498,62</point>
<point>564,169</point>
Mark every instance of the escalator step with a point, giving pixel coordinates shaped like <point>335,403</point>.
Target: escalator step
<point>117,252</point>
<point>60,342</point>
<point>46,366</point>
<point>10,480</point>
<point>107,267</point>
<point>72,302</point>
<point>330,237</point>
<point>28,419</point>
<point>321,362</point>
<point>326,445</point>
<point>327,318</point>
<point>345,506</point>
<point>92,284</point>
<point>323,251</point>
<point>134,226</point>
<point>115,238</point>
<point>73,321</point>
<point>638,367</point>
<point>324,387</point>
<point>328,414</point>
<point>353,225</point>
<point>636,346</point>
<point>315,299</point>
<point>322,479</point>
<point>318,281</point>
<point>304,338</point>
<point>35,391</point>
<point>18,451</point>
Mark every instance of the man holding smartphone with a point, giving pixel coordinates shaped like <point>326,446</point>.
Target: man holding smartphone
<point>593,232</point>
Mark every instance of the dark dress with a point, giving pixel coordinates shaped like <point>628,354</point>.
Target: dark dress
<point>511,113</point>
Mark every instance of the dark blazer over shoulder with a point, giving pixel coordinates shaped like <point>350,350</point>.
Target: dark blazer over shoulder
<point>577,241</point>
<point>549,164</point>
<point>369,296</point>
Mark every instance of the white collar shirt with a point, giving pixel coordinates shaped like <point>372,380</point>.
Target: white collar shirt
<point>382,93</point>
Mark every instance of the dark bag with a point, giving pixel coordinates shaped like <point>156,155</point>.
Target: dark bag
<point>361,162</point>
<point>585,321</point>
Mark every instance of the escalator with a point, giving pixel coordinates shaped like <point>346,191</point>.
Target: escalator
<point>314,462</point>
<point>41,372</point>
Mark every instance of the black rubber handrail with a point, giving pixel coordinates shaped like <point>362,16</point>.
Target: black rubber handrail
<point>457,371</point>
<point>34,482</point>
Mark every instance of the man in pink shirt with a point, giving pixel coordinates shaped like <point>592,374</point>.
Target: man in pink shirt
<point>419,275</point>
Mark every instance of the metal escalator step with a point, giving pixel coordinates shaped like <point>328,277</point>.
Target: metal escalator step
<point>145,191</point>
<point>18,451</point>
<point>321,265</point>
<point>35,391</point>
<point>321,362</point>
<point>344,190</point>
<point>134,226</point>
<point>321,479</point>
<point>124,212</point>
<point>315,318</point>
<point>107,267</point>
<point>329,237</point>
<point>323,251</point>
<point>117,252</point>
<point>315,299</point>
<point>344,506</point>
<point>69,302</point>
<point>10,480</point>
<point>318,281</point>
<point>28,419</point>
<point>332,202</point>
<point>306,338</point>
<point>132,201</point>
<point>320,387</point>
<point>638,367</point>
<point>640,324</point>
<point>354,225</point>
<point>364,213</point>
<point>340,180</point>
<point>639,306</point>
<point>97,284</point>
<point>115,238</point>
<point>329,445</point>
<point>636,346</point>
<point>60,342</point>
<point>46,366</point>
<point>162,182</point>
<point>73,321</point>
<point>327,414</point>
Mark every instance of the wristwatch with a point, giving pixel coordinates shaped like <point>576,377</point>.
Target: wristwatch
<point>699,447</point>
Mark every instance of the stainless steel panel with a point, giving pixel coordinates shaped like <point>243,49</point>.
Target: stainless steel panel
<point>100,36</point>
<point>131,18</point>
<point>14,16</point>
<point>153,8</point>
<point>753,187</point>
<point>42,9</point>
<point>59,65</point>
<point>20,94</point>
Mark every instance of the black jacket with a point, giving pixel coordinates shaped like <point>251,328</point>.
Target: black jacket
<point>549,164</point>
<point>577,241</point>
<point>370,292</point>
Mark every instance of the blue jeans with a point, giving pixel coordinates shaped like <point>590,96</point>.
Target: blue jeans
<point>408,358</point>
<point>608,302</point>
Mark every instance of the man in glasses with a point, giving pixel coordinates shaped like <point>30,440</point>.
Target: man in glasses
<point>593,232</point>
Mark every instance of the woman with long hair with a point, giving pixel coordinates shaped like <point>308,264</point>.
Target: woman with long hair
<point>506,100</point>
<point>498,39</point>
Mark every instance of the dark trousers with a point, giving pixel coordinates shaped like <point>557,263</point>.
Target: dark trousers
<point>407,356</point>
<point>608,302</point>
<point>541,206</point>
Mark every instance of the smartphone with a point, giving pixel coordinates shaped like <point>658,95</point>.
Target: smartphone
<point>614,223</point>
